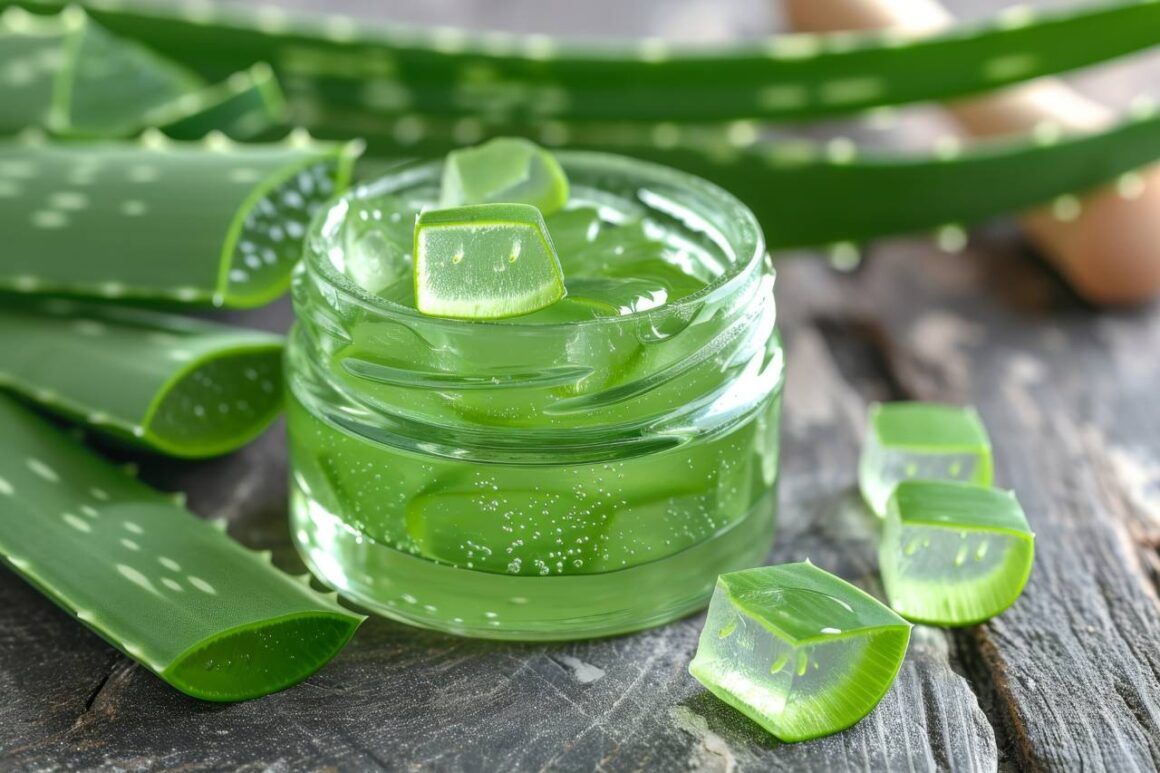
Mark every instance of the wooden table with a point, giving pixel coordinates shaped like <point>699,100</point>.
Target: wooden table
<point>1069,678</point>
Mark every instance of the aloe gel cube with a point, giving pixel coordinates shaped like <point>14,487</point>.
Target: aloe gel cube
<point>485,261</point>
<point>798,650</point>
<point>928,441</point>
<point>954,553</point>
<point>508,170</point>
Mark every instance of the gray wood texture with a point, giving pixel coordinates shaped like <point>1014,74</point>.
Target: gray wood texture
<point>1068,679</point>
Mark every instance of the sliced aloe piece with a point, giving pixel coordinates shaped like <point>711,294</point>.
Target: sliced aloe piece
<point>180,386</point>
<point>929,441</point>
<point>799,651</point>
<point>246,105</point>
<point>170,222</point>
<point>486,261</point>
<point>169,590</point>
<point>508,170</point>
<point>108,85</point>
<point>954,553</point>
<point>32,54</point>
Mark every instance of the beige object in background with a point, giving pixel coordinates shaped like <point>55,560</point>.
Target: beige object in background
<point>1107,242</point>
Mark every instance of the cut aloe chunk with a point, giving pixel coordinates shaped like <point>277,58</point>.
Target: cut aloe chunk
<point>507,170</point>
<point>165,221</point>
<point>180,386</point>
<point>487,261</point>
<point>929,441</point>
<point>954,553</point>
<point>799,651</point>
<point>168,589</point>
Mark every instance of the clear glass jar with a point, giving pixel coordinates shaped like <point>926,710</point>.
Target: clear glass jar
<point>538,481</point>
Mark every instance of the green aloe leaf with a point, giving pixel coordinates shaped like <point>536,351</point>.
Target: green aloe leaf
<point>32,55</point>
<point>170,222</point>
<point>342,74</point>
<point>180,386</point>
<point>799,651</point>
<point>107,85</point>
<point>169,590</point>
<point>65,73</point>
<point>807,193</point>
<point>953,553</point>
<point>247,105</point>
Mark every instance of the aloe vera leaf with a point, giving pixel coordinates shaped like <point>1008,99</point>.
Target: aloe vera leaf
<point>209,222</point>
<point>170,590</point>
<point>32,53</point>
<point>106,85</point>
<point>341,73</point>
<point>809,194</point>
<point>245,106</point>
<point>180,386</point>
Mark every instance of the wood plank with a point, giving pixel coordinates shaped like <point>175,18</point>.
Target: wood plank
<point>1068,394</point>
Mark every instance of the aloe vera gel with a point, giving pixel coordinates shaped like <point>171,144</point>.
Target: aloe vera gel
<point>584,464</point>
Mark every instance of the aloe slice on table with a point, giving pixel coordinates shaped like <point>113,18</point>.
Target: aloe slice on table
<point>954,554</point>
<point>915,440</point>
<point>799,651</point>
<point>485,261</point>
<point>169,590</point>
<point>169,222</point>
<point>180,386</point>
<point>246,105</point>
<point>509,170</point>
<point>326,62</point>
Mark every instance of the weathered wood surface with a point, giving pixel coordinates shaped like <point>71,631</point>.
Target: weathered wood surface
<point>1068,679</point>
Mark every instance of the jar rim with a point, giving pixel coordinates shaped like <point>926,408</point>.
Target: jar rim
<point>747,246</point>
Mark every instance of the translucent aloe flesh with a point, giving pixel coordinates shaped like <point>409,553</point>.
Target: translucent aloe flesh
<point>176,385</point>
<point>927,441</point>
<point>485,261</point>
<point>799,651</point>
<point>169,590</point>
<point>327,62</point>
<point>508,170</point>
<point>954,553</point>
<point>202,223</point>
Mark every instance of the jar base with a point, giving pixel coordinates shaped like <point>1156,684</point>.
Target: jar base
<point>486,605</point>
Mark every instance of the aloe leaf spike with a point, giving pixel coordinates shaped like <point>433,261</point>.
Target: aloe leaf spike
<point>209,223</point>
<point>179,386</point>
<point>328,62</point>
<point>169,590</point>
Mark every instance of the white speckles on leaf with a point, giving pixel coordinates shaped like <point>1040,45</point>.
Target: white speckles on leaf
<point>202,585</point>
<point>42,470</point>
<point>49,219</point>
<point>134,208</point>
<point>76,522</point>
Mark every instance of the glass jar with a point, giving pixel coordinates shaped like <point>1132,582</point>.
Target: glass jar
<point>538,481</point>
